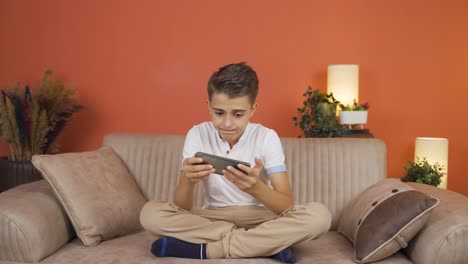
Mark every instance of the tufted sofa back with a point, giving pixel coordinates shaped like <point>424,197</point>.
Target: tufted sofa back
<point>327,170</point>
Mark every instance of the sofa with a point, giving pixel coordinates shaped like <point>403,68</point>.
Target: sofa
<point>35,227</point>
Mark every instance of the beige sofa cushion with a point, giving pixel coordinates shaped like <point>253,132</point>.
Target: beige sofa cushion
<point>97,192</point>
<point>33,224</point>
<point>444,238</point>
<point>331,248</point>
<point>384,218</point>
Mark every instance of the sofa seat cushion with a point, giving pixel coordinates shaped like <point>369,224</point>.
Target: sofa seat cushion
<point>334,248</point>
<point>331,248</point>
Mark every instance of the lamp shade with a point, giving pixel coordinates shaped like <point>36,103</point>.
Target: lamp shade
<point>434,150</point>
<point>343,82</point>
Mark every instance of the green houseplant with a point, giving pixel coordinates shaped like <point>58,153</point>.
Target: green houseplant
<point>30,124</point>
<point>421,171</point>
<point>317,116</point>
<point>355,106</point>
<point>354,114</point>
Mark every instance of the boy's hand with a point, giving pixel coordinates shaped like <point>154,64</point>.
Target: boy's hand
<point>247,181</point>
<point>194,171</point>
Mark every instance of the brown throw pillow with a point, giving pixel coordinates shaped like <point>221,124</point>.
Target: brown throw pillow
<point>98,193</point>
<point>384,218</point>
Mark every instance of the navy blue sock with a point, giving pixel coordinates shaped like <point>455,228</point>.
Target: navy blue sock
<point>173,247</point>
<point>285,256</point>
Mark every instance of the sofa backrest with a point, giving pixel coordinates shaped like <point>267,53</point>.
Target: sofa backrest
<point>327,170</point>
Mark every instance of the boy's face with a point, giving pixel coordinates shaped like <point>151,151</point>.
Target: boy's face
<point>230,116</point>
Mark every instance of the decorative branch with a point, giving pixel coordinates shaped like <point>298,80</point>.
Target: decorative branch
<point>30,123</point>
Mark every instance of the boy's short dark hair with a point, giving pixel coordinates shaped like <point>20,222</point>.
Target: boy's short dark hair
<point>234,80</point>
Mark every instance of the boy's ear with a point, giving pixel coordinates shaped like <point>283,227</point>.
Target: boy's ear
<point>254,107</point>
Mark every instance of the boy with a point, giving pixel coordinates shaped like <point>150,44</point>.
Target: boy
<point>248,212</point>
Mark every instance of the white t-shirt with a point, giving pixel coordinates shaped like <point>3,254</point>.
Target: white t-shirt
<point>256,141</point>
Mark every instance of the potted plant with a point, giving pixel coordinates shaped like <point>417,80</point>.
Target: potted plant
<point>355,114</point>
<point>317,116</point>
<point>422,172</point>
<point>30,124</point>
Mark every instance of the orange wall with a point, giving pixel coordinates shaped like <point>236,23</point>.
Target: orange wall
<point>142,66</point>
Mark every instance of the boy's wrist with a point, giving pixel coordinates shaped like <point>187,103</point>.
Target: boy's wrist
<point>257,189</point>
<point>189,183</point>
<point>186,181</point>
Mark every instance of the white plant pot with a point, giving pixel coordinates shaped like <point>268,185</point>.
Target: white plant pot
<point>353,117</point>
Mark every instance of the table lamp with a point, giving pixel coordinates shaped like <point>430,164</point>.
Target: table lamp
<point>434,150</point>
<point>343,82</point>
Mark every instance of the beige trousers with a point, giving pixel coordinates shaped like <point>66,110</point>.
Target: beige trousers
<point>237,231</point>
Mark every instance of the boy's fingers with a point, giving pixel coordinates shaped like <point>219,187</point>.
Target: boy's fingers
<point>240,178</point>
<point>194,168</point>
<point>244,168</point>
<point>236,172</point>
<point>193,160</point>
<point>258,163</point>
<point>198,175</point>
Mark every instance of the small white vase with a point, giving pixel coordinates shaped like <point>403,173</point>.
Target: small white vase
<point>353,117</point>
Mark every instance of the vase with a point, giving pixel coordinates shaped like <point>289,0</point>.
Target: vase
<point>353,117</point>
<point>14,173</point>
<point>327,109</point>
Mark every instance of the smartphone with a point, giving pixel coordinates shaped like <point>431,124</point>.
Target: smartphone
<point>220,163</point>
